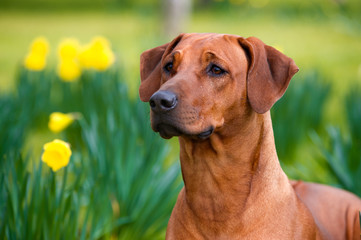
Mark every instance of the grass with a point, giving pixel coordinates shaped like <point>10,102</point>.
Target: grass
<point>117,184</point>
<point>129,34</point>
<point>331,45</point>
<point>128,191</point>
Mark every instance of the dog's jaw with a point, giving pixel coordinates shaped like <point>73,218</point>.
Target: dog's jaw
<point>168,131</point>
<point>179,122</point>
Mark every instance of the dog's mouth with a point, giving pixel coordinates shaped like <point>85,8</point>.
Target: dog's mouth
<point>181,123</point>
<point>168,131</point>
<point>206,134</point>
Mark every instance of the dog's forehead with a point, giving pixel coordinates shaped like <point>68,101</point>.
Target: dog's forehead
<point>195,44</point>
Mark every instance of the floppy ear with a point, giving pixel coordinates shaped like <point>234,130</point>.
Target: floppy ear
<point>150,68</point>
<point>269,74</point>
<point>150,74</point>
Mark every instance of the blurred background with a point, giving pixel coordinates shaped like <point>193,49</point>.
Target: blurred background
<point>122,179</point>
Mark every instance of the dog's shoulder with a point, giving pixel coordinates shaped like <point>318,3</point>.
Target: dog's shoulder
<point>319,191</point>
<point>336,211</point>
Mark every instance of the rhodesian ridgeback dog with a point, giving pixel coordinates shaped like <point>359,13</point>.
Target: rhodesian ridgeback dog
<point>214,92</point>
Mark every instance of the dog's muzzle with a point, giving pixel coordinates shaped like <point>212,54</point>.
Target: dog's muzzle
<point>169,121</point>
<point>163,101</point>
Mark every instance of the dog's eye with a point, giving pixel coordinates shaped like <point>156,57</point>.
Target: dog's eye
<point>216,70</point>
<point>168,67</point>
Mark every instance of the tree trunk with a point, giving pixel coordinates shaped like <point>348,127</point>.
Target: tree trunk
<point>176,17</point>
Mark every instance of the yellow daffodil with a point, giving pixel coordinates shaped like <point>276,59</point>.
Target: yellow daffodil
<point>59,121</point>
<point>97,55</point>
<point>56,154</point>
<point>69,70</point>
<point>99,43</point>
<point>86,57</point>
<point>104,60</point>
<point>35,60</point>
<point>68,49</point>
<point>40,46</point>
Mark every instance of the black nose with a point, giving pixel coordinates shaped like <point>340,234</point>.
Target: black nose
<point>163,101</point>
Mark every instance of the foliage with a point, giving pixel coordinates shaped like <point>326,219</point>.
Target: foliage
<point>23,109</point>
<point>343,152</point>
<point>128,158</point>
<point>318,8</point>
<point>297,113</point>
<point>37,204</point>
<point>116,183</point>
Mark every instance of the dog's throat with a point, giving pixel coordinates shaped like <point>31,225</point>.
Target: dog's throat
<point>218,174</point>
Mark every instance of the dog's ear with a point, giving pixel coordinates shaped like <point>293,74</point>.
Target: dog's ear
<point>150,74</point>
<point>269,73</point>
<point>150,68</point>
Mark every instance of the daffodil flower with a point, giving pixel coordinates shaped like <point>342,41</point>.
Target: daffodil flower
<point>69,70</point>
<point>35,60</point>
<point>56,154</point>
<point>97,55</point>
<point>68,49</point>
<point>59,121</point>
<point>40,46</point>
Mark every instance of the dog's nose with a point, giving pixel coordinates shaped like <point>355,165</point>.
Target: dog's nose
<point>163,101</point>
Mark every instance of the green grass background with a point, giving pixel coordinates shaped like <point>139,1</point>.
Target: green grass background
<point>318,39</point>
<point>331,44</point>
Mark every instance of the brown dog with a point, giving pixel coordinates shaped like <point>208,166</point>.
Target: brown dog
<point>215,92</point>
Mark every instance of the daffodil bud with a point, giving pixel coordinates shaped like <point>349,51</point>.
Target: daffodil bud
<point>59,121</point>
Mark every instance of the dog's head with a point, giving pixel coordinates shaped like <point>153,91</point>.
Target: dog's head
<point>198,82</point>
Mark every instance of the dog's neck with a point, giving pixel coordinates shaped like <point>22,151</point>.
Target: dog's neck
<point>226,173</point>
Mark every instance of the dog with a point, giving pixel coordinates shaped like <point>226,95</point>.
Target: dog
<point>214,92</point>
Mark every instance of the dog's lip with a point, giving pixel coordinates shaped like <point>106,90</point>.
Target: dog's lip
<point>168,131</point>
<point>206,134</point>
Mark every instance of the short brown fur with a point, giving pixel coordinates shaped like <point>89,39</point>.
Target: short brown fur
<point>234,187</point>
